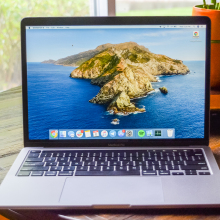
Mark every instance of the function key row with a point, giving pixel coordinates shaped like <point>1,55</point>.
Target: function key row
<point>120,153</point>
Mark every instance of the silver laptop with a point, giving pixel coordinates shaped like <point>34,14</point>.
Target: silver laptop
<point>116,115</point>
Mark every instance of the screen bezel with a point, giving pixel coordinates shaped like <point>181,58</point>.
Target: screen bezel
<point>169,20</point>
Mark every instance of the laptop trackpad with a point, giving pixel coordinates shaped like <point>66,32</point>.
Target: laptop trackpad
<point>96,191</point>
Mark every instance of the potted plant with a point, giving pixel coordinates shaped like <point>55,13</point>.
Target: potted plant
<point>213,12</point>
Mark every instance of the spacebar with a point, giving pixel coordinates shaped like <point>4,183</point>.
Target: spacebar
<point>107,173</point>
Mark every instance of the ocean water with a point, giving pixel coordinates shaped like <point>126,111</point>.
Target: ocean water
<point>56,101</point>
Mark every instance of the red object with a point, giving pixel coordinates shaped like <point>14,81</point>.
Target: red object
<point>214,15</point>
<point>123,131</point>
<point>81,131</point>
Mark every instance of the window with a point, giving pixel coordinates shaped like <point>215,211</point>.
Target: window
<point>11,13</point>
<point>155,7</point>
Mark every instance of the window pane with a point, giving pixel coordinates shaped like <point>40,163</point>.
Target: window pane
<point>155,8</point>
<point>11,13</point>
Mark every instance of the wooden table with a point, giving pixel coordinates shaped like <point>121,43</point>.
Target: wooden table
<point>11,142</point>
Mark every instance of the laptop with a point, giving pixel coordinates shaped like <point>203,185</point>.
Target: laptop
<point>116,115</point>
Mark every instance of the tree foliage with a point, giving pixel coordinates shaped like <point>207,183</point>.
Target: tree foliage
<point>11,13</point>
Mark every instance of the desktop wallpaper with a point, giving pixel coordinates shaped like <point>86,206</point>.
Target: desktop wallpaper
<point>114,78</point>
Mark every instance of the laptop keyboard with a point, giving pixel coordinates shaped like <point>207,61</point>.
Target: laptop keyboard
<point>115,163</point>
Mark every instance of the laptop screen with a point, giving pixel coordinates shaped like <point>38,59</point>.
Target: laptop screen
<point>116,82</point>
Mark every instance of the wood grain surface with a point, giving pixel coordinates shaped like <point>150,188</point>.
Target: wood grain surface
<point>11,142</point>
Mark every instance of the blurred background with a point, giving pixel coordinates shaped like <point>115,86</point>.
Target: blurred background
<point>12,11</point>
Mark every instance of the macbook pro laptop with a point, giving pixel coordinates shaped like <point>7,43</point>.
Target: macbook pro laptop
<point>116,115</point>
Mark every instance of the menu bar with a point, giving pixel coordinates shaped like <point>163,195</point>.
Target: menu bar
<point>111,134</point>
<point>115,26</point>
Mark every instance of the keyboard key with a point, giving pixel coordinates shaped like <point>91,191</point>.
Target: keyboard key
<point>178,153</point>
<point>95,154</point>
<point>155,163</point>
<point>35,151</point>
<point>65,173</point>
<point>33,155</point>
<point>107,173</point>
<point>24,173</point>
<point>134,168</point>
<point>124,159</point>
<point>194,167</point>
<point>102,163</point>
<point>100,159</point>
<point>90,163</point>
<point>46,155</point>
<point>189,152</point>
<point>88,159</point>
<point>58,168</point>
<point>199,158</point>
<point>34,159</point>
<point>188,158</point>
<point>77,163</point>
<point>204,173</point>
<point>133,154</point>
<point>124,168</point>
<point>75,159</point>
<point>58,154</point>
<point>70,154</point>
<point>190,172</point>
<point>64,163</point>
<point>178,162</point>
<point>140,163</point>
<point>199,154</point>
<point>108,168</point>
<point>50,159</point>
<point>85,168</point>
<point>96,168</point>
<point>107,154</point>
<point>139,159</point>
<point>82,153</point>
<point>175,167</point>
<point>72,168</point>
<point>195,163</point>
<point>198,151</point>
<point>62,159</point>
<point>112,158</point>
<point>51,163</point>
<point>147,168</point>
<point>50,173</point>
<point>162,158</point>
<point>149,172</point>
<point>162,167</point>
<point>177,173</point>
<point>127,163</point>
<point>165,162</point>
<point>119,153</point>
<point>37,173</point>
<point>164,172</point>
<point>28,164</point>
<point>115,163</point>
<point>34,168</point>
